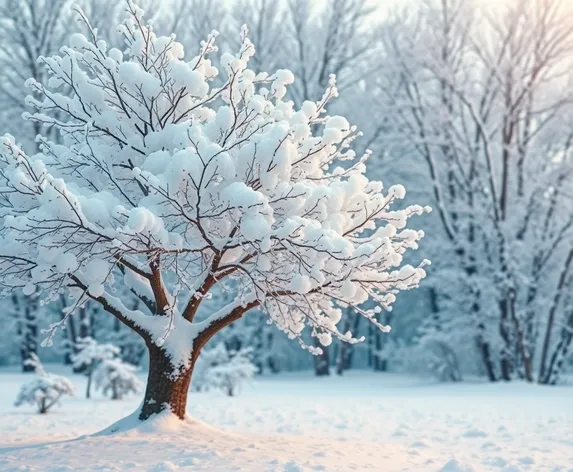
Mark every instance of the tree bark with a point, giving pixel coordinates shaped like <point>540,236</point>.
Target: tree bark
<point>167,387</point>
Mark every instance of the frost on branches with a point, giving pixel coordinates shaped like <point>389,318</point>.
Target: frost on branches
<point>45,390</point>
<point>116,378</point>
<point>172,175</point>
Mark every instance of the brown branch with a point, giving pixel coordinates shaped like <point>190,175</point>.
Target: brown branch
<point>106,305</point>
<point>218,325</point>
<point>156,282</point>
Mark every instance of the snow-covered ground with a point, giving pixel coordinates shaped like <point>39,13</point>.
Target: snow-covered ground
<point>294,422</point>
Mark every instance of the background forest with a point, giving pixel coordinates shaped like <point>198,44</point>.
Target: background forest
<point>469,105</point>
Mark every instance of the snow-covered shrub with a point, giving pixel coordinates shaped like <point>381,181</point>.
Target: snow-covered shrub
<point>208,360</point>
<point>229,376</point>
<point>89,354</point>
<point>442,361</point>
<point>424,356</point>
<point>45,390</point>
<point>116,378</point>
<point>221,369</point>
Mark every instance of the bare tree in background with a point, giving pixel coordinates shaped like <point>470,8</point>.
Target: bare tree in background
<point>192,20</point>
<point>267,27</point>
<point>490,119</point>
<point>28,29</point>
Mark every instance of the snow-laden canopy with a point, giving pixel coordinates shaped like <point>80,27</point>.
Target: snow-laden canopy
<point>172,175</point>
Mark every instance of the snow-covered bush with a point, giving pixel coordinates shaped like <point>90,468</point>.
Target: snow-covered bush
<point>168,182</point>
<point>208,360</point>
<point>88,356</point>
<point>116,378</point>
<point>221,369</point>
<point>45,390</point>
<point>424,356</point>
<point>442,360</point>
<point>229,376</point>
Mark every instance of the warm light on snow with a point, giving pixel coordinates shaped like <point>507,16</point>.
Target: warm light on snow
<point>291,422</point>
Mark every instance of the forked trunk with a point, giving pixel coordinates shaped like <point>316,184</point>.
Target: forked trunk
<point>167,387</point>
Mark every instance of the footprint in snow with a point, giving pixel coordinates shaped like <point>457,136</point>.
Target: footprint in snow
<point>498,462</point>
<point>474,433</point>
<point>292,466</point>
<point>490,446</point>
<point>418,444</point>
<point>165,466</point>
<point>454,466</point>
<point>526,460</point>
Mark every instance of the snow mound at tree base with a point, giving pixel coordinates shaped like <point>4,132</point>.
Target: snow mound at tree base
<point>162,423</point>
<point>165,443</point>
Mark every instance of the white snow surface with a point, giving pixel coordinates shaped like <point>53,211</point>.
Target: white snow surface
<point>294,422</point>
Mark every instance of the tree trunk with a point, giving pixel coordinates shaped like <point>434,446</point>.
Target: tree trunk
<point>485,350</point>
<point>506,337</point>
<point>29,342</point>
<point>89,385</point>
<point>42,410</point>
<point>322,361</point>
<point>342,354</point>
<point>272,362</point>
<point>551,316</point>
<point>273,365</point>
<point>370,345</point>
<point>560,355</point>
<point>351,347</point>
<point>166,388</point>
<point>380,364</point>
<point>85,331</point>
<point>341,358</point>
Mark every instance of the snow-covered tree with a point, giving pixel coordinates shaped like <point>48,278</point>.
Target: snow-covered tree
<point>89,355</point>
<point>45,390</point>
<point>116,378</point>
<point>483,103</point>
<point>171,184</point>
